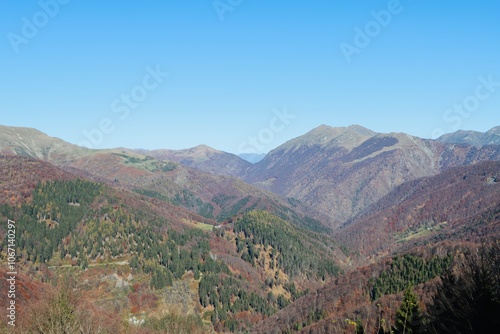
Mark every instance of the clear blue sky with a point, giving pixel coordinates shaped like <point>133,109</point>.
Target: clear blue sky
<point>65,70</point>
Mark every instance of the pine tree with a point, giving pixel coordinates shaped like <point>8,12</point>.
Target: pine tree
<point>409,315</point>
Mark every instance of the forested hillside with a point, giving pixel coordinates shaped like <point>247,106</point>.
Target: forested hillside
<point>448,289</point>
<point>266,239</point>
<point>462,203</point>
<point>71,225</point>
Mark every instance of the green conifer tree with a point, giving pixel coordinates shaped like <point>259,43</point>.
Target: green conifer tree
<point>409,315</point>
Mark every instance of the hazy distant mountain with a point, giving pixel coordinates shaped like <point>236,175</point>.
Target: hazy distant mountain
<point>491,137</point>
<point>36,144</point>
<point>252,157</point>
<point>341,171</point>
<point>204,158</point>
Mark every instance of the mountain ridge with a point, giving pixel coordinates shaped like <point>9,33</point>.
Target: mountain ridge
<point>204,158</point>
<point>337,171</point>
<point>33,143</point>
<point>475,138</point>
<point>340,180</point>
<point>325,135</point>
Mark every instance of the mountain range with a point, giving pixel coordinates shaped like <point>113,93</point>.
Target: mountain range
<point>247,245</point>
<point>475,138</point>
<point>341,171</point>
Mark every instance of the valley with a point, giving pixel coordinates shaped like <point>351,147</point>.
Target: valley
<point>330,232</point>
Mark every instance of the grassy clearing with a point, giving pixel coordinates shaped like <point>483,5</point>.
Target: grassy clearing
<point>423,230</point>
<point>147,163</point>
<point>198,225</point>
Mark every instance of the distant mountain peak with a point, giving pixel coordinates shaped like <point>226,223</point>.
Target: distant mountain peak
<point>203,149</point>
<point>474,138</point>
<point>204,158</point>
<point>341,130</point>
<point>325,135</point>
<point>19,131</point>
<point>33,143</point>
<point>362,130</point>
<point>494,131</point>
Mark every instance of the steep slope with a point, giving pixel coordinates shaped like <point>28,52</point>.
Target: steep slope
<point>143,228</point>
<point>370,299</point>
<point>143,256</point>
<point>462,203</point>
<point>67,222</point>
<point>475,138</point>
<point>341,171</point>
<point>367,300</point>
<point>203,158</point>
<point>20,175</point>
<point>32,143</point>
<point>212,196</point>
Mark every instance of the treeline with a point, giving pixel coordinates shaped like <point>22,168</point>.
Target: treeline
<point>148,163</point>
<point>232,210</point>
<point>289,250</point>
<point>192,202</point>
<point>407,270</point>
